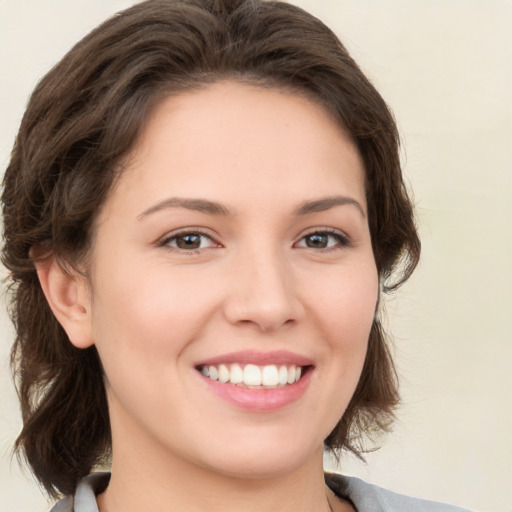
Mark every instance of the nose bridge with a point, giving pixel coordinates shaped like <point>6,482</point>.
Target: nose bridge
<point>263,288</point>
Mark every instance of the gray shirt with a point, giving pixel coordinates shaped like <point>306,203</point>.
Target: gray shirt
<point>365,497</point>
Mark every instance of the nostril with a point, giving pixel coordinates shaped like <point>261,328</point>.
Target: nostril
<point>264,297</point>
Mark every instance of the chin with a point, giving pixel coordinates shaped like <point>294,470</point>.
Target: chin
<point>263,459</point>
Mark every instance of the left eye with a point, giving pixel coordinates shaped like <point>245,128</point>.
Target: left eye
<point>322,240</point>
<point>189,241</point>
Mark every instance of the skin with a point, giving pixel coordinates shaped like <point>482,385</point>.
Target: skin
<point>255,281</point>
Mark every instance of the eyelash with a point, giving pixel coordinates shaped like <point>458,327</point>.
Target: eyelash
<point>182,234</point>
<point>342,240</point>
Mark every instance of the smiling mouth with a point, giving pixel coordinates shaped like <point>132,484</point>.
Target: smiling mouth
<point>253,376</point>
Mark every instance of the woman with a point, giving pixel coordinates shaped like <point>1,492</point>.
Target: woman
<point>203,206</point>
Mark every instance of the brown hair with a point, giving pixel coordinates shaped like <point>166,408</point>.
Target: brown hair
<point>85,115</point>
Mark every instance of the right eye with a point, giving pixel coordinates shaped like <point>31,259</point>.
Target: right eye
<point>189,241</point>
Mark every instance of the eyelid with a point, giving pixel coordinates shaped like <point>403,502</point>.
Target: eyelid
<point>344,239</point>
<point>168,237</point>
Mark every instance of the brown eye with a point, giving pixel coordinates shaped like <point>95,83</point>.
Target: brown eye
<point>323,240</point>
<point>317,240</point>
<point>188,241</point>
<point>191,241</point>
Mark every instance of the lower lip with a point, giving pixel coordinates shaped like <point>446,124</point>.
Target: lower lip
<point>260,400</point>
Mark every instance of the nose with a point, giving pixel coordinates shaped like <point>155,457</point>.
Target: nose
<point>263,293</point>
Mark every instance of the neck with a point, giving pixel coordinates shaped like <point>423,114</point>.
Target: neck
<point>180,487</point>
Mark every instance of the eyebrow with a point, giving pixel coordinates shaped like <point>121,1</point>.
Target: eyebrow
<point>214,208</point>
<point>321,205</point>
<point>198,205</point>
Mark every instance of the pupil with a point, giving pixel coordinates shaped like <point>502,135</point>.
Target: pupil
<point>188,242</point>
<point>317,241</point>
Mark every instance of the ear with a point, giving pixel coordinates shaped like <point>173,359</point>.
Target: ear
<point>68,295</point>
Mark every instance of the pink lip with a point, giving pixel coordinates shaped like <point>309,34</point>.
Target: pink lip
<point>258,358</point>
<point>259,400</point>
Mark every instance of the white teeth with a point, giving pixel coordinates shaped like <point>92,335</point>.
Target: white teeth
<point>283,375</point>
<point>291,375</point>
<point>213,372</point>
<point>237,374</point>
<point>252,375</point>
<point>223,373</point>
<point>269,376</point>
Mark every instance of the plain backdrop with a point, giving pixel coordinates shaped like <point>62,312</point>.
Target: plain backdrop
<point>445,67</point>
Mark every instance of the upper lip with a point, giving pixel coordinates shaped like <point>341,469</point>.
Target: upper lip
<point>258,357</point>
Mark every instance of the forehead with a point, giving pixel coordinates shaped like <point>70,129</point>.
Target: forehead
<point>230,137</point>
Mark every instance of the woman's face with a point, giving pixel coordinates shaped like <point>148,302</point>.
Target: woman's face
<point>235,243</point>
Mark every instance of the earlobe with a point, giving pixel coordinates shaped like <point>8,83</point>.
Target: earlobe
<point>68,296</point>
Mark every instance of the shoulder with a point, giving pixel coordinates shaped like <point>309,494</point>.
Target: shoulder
<point>371,498</point>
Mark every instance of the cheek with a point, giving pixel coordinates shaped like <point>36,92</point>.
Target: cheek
<point>137,297</point>
<point>345,304</point>
<point>143,324</point>
<point>142,331</point>
<point>343,308</point>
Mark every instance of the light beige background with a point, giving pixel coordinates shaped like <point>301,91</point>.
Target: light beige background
<point>445,66</point>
